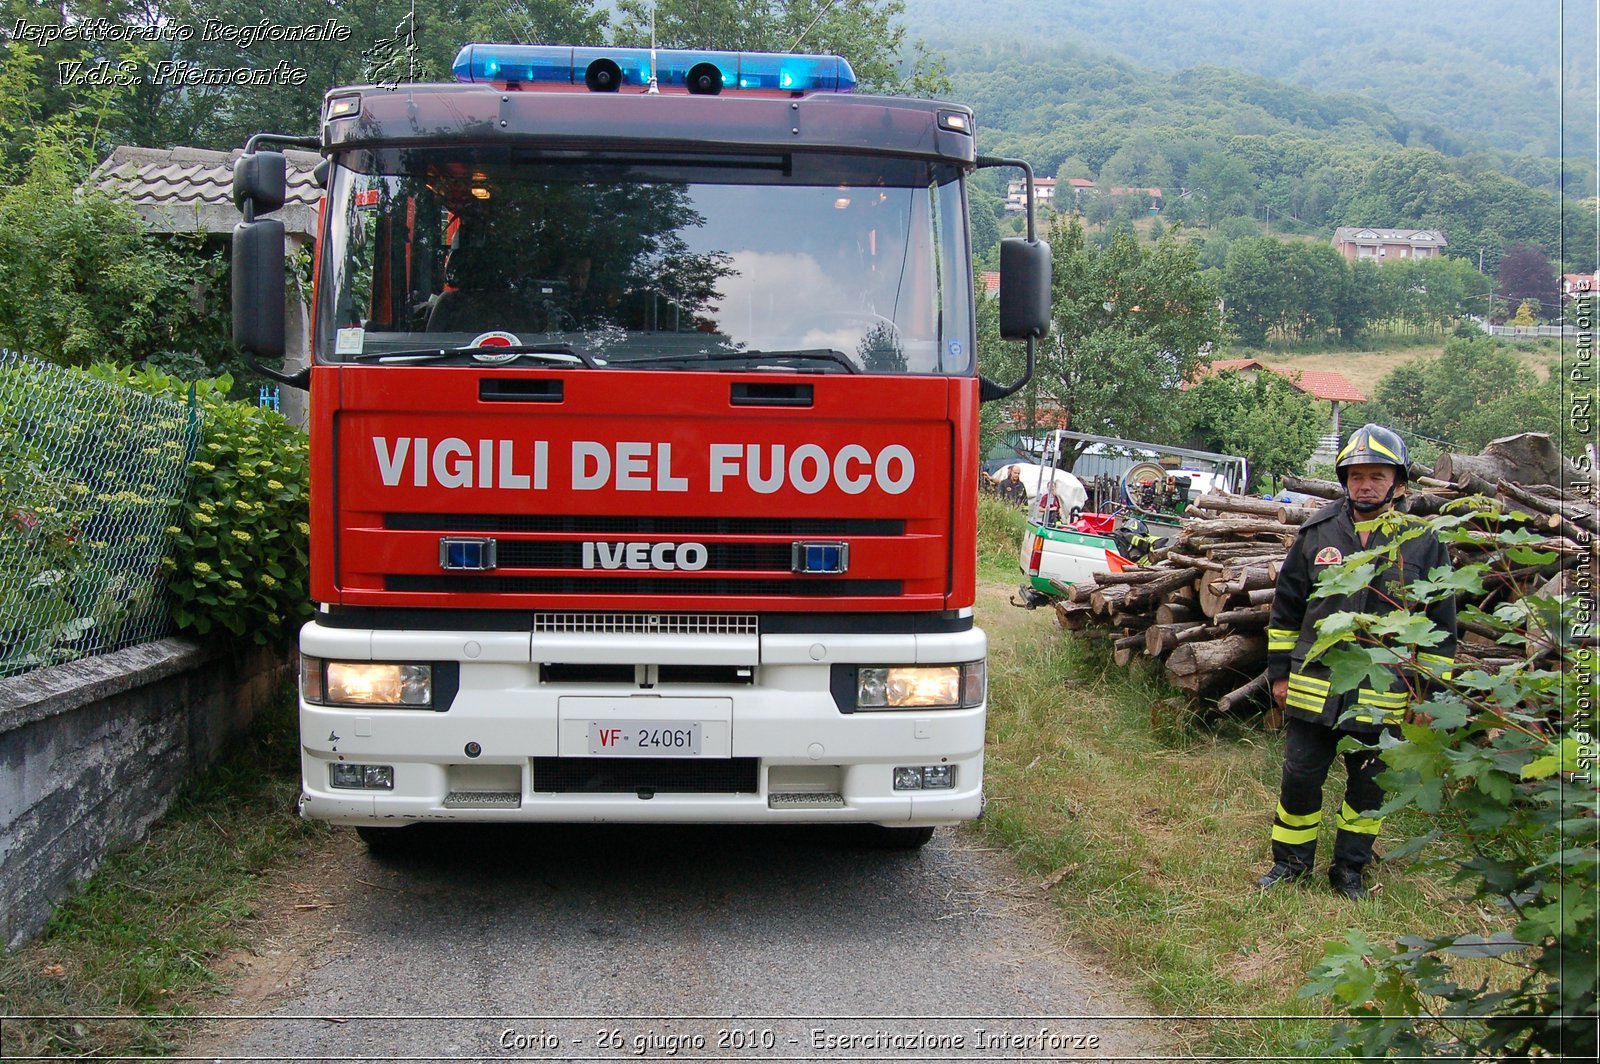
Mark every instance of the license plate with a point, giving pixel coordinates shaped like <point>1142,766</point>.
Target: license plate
<point>677,738</point>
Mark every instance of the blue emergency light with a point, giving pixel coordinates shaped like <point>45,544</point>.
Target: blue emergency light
<point>824,557</point>
<point>610,69</point>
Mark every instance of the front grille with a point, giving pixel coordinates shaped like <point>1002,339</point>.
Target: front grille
<point>644,525</point>
<point>629,775</point>
<point>652,623</point>
<point>452,583</point>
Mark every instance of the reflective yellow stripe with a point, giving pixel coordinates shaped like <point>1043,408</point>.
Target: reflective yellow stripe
<point>1293,836</point>
<point>1351,446</point>
<point>1310,705</point>
<point>1298,820</point>
<point>1442,666</point>
<point>1278,646</point>
<point>1350,820</point>
<point>1385,699</point>
<point>1381,449</point>
<point>1311,683</point>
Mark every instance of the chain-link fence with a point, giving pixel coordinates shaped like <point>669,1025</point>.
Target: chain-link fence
<point>91,476</point>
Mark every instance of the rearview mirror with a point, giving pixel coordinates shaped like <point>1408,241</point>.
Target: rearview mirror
<point>1024,289</point>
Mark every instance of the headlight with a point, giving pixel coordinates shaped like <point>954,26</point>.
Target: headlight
<point>920,686</point>
<point>366,683</point>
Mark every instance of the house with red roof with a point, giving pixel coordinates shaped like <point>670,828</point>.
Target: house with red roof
<point>1325,386</point>
<point>1578,284</point>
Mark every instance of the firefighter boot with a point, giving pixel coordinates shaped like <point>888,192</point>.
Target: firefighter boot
<point>1345,879</point>
<point>1282,872</point>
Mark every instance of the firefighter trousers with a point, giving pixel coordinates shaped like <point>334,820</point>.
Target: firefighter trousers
<point>1308,752</point>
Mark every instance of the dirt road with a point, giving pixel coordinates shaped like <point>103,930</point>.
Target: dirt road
<point>611,943</point>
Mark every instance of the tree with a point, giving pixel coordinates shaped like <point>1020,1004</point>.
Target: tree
<point>1526,273</point>
<point>1361,301</point>
<point>1267,421</point>
<point>158,107</point>
<point>868,33</point>
<point>80,281</point>
<point>1495,773</point>
<point>1129,325</point>
<point>1256,287</point>
<point>1472,392</point>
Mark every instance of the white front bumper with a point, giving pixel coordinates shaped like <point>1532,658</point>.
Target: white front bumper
<point>807,761</point>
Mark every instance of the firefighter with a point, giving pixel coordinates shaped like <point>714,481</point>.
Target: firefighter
<point>1372,468</point>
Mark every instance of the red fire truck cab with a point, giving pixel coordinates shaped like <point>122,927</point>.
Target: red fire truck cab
<point>644,421</point>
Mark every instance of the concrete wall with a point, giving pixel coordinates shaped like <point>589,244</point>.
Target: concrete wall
<point>93,751</point>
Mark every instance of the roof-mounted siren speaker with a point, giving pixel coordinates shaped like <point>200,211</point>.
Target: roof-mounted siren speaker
<point>603,75</point>
<point>705,79</point>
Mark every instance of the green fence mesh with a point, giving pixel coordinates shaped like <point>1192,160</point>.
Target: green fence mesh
<point>91,476</point>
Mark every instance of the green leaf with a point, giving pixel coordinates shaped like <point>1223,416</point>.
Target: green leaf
<point>1564,759</point>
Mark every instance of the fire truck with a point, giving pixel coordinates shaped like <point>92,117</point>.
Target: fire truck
<point>644,422</point>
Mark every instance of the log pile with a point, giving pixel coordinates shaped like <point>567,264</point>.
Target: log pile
<point>1200,603</point>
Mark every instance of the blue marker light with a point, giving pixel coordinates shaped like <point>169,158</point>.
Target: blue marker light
<point>560,65</point>
<point>820,557</point>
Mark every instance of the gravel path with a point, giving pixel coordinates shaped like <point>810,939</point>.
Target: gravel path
<point>577,943</point>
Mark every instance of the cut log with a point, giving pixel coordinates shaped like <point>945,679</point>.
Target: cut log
<point>1236,526</point>
<point>1110,599</point>
<point>1159,639</point>
<point>1123,650</point>
<point>1128,576</point>
<point>1326,489</point>
<point>1154,593</point>
<point>1527,458</point>
<point>1253,617</point>
<point>1570,513</point>
<point>1201,634</point>
<point>1239,504</point>
<point>1194,561</point>
<point>1214,596</point>
<point>1071,617</point>
<point>1242,578</point>
<point>1263,596</point>
<point>1257,690</point>
<point>1199,666</point>
<point>1175,612</point>
<point>1233,583</point>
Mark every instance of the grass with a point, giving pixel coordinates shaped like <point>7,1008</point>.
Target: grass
<point>1367,365</point>
<point>138,938</point>
<point>1152,837</point>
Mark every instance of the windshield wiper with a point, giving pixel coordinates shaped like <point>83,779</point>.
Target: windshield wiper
<point>487,354</point>
<point>810,354</point>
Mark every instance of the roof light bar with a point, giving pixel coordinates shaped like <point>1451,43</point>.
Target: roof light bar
<point>557,64</point>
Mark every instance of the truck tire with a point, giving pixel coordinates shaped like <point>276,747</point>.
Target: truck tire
<point>386,842</point>
<point>884,838</point>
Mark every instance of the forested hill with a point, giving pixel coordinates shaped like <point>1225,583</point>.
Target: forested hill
<point>1225,144</point>
<point>1489,69</point>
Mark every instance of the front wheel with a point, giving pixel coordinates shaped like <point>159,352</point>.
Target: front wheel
<point>386,842</point>
<point>884,838</point>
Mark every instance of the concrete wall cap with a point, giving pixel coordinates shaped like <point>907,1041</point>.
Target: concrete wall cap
<point>46,692</point>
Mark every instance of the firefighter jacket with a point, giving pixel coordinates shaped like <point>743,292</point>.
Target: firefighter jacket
<point>1325,540</point>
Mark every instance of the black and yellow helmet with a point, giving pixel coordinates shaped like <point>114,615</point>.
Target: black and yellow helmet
<point>1374,445</point>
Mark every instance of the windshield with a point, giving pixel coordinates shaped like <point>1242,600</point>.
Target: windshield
<point>805,262</point>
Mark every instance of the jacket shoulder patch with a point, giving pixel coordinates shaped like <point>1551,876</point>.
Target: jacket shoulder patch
<point>1329,556</point>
